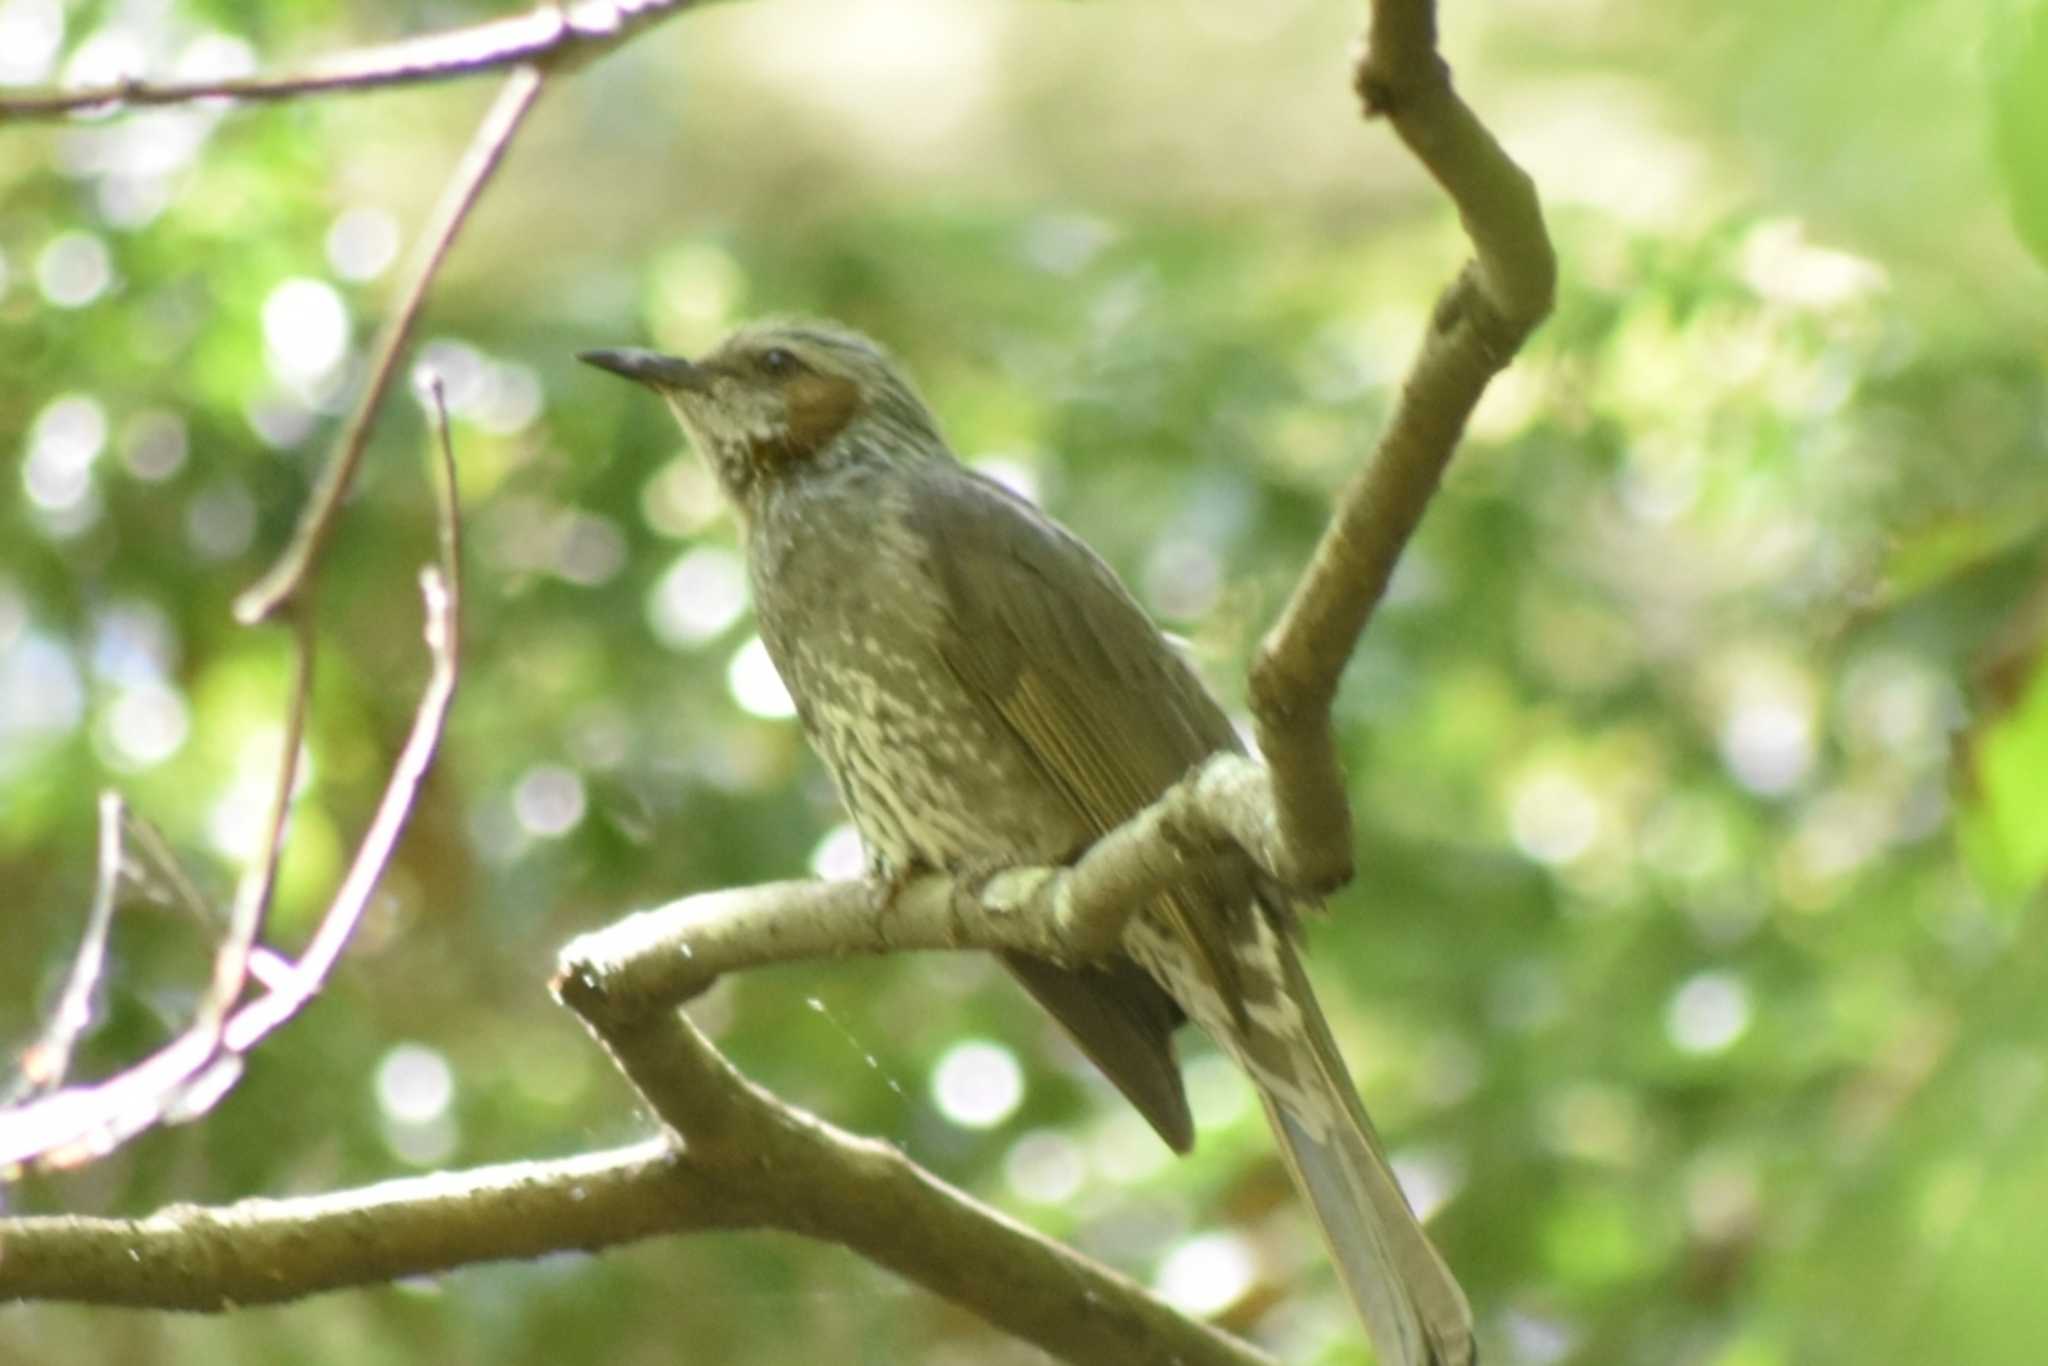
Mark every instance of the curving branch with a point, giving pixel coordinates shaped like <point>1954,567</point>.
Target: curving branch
<point>316,523</point>
<point>664,956</point>
<point>827,1184</point>
<point>52,1127</point>
<point>1480,321</point>
<point>45,1063</point>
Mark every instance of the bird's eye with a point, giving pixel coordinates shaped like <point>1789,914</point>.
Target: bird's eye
<point>776,361</point>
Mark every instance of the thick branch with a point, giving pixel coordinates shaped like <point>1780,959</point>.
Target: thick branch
<point>806,1176</point>
<point>776,1167</point>
<point>1481,320</point>
<point>269,1251</point>
<point>660,957</point>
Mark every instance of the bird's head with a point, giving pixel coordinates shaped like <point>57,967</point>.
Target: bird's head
<point>779,399</point>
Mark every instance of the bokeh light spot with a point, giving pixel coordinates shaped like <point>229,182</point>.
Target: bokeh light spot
<point>154,444</point>
<point>1014,473</point>
<point>415,1094</point>
<point>1183,577</point>
<point>1428,1178</point>
<point>146,725</point>
<point>414,1083</point>
<point>74,269</point>
<point>40,691</point>
<point>1767,742</point>
<point>362,243</point>
<point>305,330</point>
<point>699,596</point>
<point>977,1084</point>
<point>31,32</point>
<point>840,856</point>
<point>1045,1167</point>
<point>1207,1275</point>
<point>1218,1091</point>
<point>549,801</point>
<point>1708,1013</point>
<point>755,685</point>
<point>590,550</point>
<point>697,288</point>
<point>66,438</point>
<point>1553,816</point>
<point>114,53</point>
<point>220,520</point>
<point>215,57</point>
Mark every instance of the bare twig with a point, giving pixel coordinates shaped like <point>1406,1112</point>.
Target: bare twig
<point>1479,323</point>
<point>552,36</point>
<point>259,881</point>
<point>189,1074</point>
<point>46,1062</point>
<point>156,859</point>
<point>441,587</point>
<point>316,522</point>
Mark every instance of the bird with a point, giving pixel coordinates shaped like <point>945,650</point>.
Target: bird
<point>987,693</point>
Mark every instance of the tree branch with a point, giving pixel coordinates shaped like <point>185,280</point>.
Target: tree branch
<point>810,1177</point>
<point>1479,323</point>
<point>661,957</point>
<point>553,37</point>
<point>486,149</point>
<point>758,1164</point>
<point>214,1258</point>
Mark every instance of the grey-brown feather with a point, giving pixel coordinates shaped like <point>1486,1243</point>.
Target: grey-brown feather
<point>864,627</point>
<point>986,692</point>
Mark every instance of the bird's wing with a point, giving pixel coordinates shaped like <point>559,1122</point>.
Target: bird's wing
<point>1043,631</point>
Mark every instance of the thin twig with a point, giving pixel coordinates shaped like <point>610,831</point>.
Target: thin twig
<point>551,36</point>
<point>259,880</point>
<point>441,589</point>
<point>186,1076</point>
<point>158,859</point>
<point>46,1062</point>
<point>316,522</point>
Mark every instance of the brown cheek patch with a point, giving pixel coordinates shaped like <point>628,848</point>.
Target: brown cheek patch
<point>819,408</point>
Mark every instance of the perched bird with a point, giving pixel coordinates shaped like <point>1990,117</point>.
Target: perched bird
<point>987,693</point>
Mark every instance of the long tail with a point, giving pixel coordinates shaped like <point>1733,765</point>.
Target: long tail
<point>1411,1304</point>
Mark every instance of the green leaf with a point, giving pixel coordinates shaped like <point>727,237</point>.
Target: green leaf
<point>2005,829</point>
<point>2017,63</point>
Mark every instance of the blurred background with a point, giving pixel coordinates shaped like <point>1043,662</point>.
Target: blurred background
<point>1695,971</point>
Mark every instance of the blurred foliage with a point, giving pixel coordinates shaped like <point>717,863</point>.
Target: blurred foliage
<point>1701,758</point>
<point>2019,92</point>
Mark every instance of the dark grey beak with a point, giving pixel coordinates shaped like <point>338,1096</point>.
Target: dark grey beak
<point>650,368</point>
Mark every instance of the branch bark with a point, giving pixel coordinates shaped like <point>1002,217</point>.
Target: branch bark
<point>664,956</point>
<point>1480,321</point>
<point>747,1161</point>
<point>555,37</point>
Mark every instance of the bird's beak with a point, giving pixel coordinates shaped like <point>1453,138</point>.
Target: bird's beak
<point>650,368</point>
